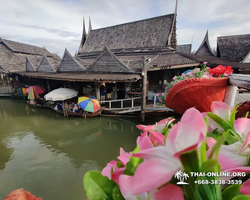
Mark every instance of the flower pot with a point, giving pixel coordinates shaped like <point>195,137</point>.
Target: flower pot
<point>196,92</point>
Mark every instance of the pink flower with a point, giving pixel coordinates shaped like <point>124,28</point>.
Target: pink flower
<point>162,94</point>
<point>204,63</point>
<point>21,194</point>
<point>222,110</point>
<point>124,157</point>
<point>107,170</point>
<point>245,187</point>
<point>175,77</point>
<point>236,154</point>
<point>165,82</point>
<point>158,126</point>
<point>163,161</point>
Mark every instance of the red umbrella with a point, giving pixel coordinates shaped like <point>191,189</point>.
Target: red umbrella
<point>37,89</point>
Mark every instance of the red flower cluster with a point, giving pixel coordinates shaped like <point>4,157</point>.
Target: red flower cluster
<point>221,71</point>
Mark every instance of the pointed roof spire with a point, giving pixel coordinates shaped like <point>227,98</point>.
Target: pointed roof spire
<point>172,39</point>
<point>90,26</point>
<point>205,48</point>
<point>84,35</point>
<point>176,5</point>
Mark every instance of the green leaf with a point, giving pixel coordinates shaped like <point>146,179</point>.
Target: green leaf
<point>232,117</point>
<point>209,165</point>
<point>98,186</point>
<point>216,146</point>
<point>231,191</point>
<point>119,164</point>
<point>137,149</point>
<point>241,197</point>
<point>216,118</point>
<point>132,165</point>
<point>117,195</point>
<point>246,116</point>
<point>190,161</point>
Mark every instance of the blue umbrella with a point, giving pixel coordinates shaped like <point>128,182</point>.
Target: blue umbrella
<point>187,71</point>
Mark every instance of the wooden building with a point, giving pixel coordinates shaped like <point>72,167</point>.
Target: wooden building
<point>16,57</point>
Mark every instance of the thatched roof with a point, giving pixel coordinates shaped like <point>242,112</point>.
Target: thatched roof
<point>29,65</point>
<point>215,61</point>
<point>45,65</point>
<point>233,47</point>
<point>205,48</point>
<point>184,48</point>
<point>10,61</point>
<point>18,47</point>
<point>70,64</point>
<point>83,77</point>
<point>247,58</point>
<point>147,33</point>
<point>107,62</point>
<point>168,61</point>
<point>19,57</point>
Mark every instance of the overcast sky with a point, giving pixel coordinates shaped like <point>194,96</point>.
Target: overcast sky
<point>57,24</point>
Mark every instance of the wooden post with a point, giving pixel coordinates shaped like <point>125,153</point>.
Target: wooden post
<point>109,104</point>
<point>97,91</point>
<point>144,88</point>
<point>48,86</point>
<point>132,103</point>
<point>115,91</point>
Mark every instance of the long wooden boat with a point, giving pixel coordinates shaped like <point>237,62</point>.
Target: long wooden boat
<point>81,114</point>
<point>40,106</point>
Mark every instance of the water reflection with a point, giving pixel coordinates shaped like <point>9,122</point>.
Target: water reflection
<point>41,150</point>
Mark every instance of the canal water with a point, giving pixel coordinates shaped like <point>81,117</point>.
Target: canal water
<point>48,154</point>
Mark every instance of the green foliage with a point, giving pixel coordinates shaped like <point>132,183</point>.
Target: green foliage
<point>132,165</point>
<point>230,192</point>
<point>98,186</point>
<point>241,197</point>
<point>117,195</point>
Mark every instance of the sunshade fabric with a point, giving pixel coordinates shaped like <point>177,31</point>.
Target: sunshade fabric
<point>61,94</point>
<point>88,104</point>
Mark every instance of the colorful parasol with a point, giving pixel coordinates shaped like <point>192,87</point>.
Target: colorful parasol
<point>34,92</point>
<point>90,96</point>
<point>88,104</point>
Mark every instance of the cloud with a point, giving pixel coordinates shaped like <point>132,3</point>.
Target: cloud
<point>57,24</point>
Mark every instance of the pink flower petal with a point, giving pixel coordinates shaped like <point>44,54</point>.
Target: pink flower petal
<point>157,138</point>
<point>228,155</point>
<point>126,184</point>
<point>221,109</point>
<point>115,176</point>
<point>169,192</point>
<point>195,146</point>
<point>141,127</point>
<point>235,170</point>
<point>245,187</point>
<point>146,143</point>
<point>162,124</point>
<point>124,157</point>
<point>154,153</point>
<point>245,147</point>
<point>188,130</point>
<point>107,170</point>
<point>151,174</point>
<point>242,125</point>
